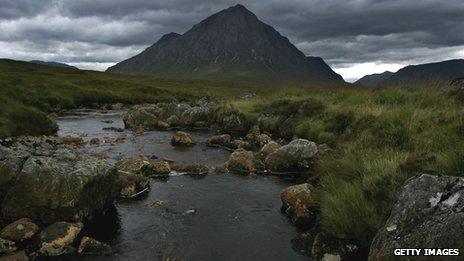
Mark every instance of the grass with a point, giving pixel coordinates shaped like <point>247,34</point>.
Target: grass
<point>378,137</point>
<point>28,91</point>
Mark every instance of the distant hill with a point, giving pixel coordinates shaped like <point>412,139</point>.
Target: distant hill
<point>374,80</point>
<point>54,64</point>
<point>430,74</point>
<point>231,45</point>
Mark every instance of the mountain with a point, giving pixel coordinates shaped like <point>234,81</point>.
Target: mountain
<point>231,45</point>
<point>430,74</point>
<point>54,64</point>
<point>374,80</point>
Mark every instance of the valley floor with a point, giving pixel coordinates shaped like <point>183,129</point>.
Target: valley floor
<point>375,139</point>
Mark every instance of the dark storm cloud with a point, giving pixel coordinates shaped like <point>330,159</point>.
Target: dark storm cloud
<point>10,9</point>
<point>344,32</point>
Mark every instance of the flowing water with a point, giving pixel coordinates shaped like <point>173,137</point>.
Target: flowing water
<point>236,217</point>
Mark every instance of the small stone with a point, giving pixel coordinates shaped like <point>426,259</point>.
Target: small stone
<point>99,155</point>
<point>181,138</point>
<point>90,246</point>
<point>156,204</point>
<point>219,140</point>
<point>196,169</point>
<point>74,141</point>
<point>157,168</point>
<point>95,141</point>
<point>162,125</point>
<point>190,212</point>
<point>19,230</point>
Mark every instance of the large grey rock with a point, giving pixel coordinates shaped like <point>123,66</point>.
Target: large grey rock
<point>292,157</point>
<point>52,182</point>
<point>428,214</point>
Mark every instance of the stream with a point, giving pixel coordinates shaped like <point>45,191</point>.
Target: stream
<point>236,217</point>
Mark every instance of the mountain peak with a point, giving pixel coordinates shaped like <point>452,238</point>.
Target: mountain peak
<point>232,45</point>
<point>238,8</point>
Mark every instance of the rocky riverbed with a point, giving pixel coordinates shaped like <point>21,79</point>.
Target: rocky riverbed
<point>175,181</point>
<point>221,216</point>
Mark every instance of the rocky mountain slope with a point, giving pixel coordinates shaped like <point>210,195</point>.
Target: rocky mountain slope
<point>231,45</point>
<point>430,74</point>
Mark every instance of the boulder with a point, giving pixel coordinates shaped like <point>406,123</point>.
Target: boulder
<point>19,230</point>
<point>243,162</point>
<point>427,214</point>
<point>181,138</point>
<point>241,144</point>
<point>219,141</point>
<point>141,115</point>
<point>256,139</point>
<point>7,246</point>
<point>90,246</point>
<point>268,149</point>
<point>294,156</point>
<point>233,123</point>
<point>58,238</point>
<point>298,202</point>
<point>54,182</point>
<point>131,180</point>
<point>74,141</point>
<point>196,169</point>
<point>159,168</point>
<point>132,166</point>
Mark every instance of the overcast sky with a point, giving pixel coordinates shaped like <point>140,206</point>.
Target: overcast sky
<point>355,37</point>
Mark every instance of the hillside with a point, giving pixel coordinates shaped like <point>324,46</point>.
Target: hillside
<point>373,80</point>
<point>54,64</point>
<point>430,74</point>
<point>232,45</point>
<point>28,91</point>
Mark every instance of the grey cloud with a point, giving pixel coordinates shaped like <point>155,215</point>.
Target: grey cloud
<point>10,9</point>
<point>341,31</point>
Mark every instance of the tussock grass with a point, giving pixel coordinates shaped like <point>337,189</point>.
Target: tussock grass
<point>379,138</point>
